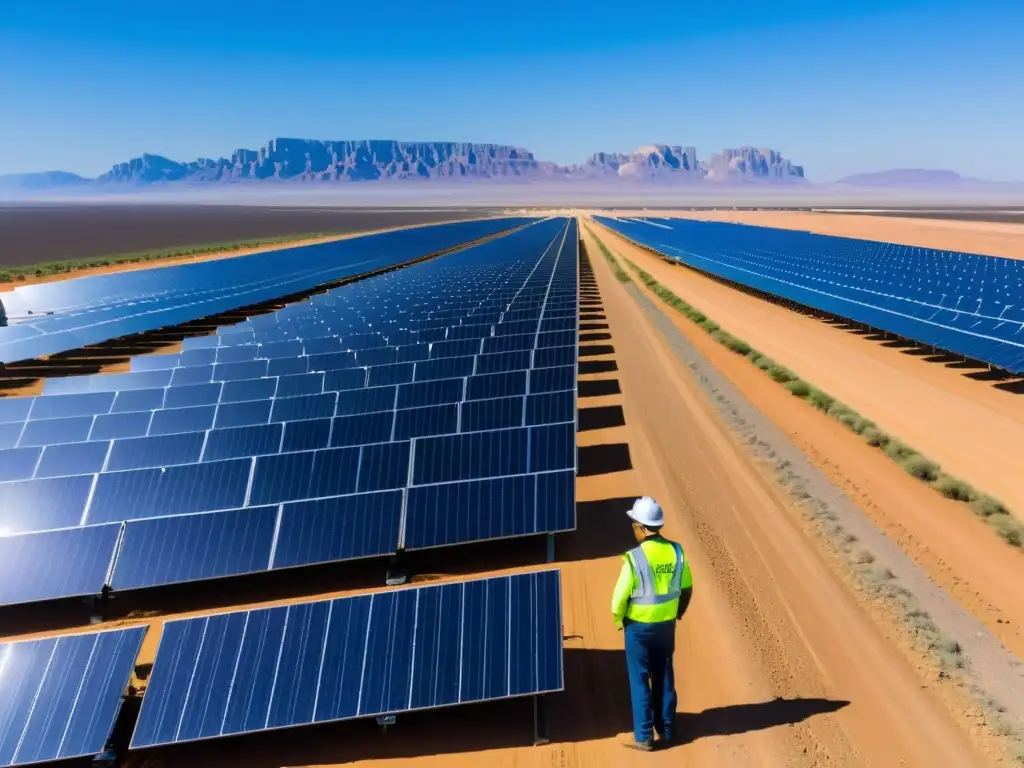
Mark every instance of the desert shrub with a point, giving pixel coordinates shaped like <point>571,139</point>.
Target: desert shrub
<point>898,450</point>
<point>710,326</point>
<point>874,436</point>
<point>781,374</point>
<point>955,489</point>
<point>820,400</point>
<point>764,362</point>
<point>798,387</point>
<point>920,467</point>
<point>1007,526</point>
<point>739,346</point>
<point>986,506</point>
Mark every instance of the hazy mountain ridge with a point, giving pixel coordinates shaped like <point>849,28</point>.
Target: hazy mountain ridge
<point>308,160</point>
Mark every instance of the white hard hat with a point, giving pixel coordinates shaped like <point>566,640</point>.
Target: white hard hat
<point>647,512</point>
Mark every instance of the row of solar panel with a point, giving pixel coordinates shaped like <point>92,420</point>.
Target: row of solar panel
<point>252,412</point>
<point>99,308</point>
<point>67,501</point>
<point>451,415</point>
<point>475,340</point>
<point>159,551</point>
<point>488,361</point>
<point>954,320</point>
<point>314,662</point>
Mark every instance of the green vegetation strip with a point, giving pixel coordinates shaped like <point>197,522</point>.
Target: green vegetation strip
<point>993,511</point>
<point>45,269</point>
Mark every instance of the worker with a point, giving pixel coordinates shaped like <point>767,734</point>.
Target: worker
<point>653,592</point>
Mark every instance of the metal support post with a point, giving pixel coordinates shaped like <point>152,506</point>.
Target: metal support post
<point>551,547</point>
<point>540,722</point>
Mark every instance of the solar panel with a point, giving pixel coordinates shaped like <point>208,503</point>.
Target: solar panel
<point>381,653</point>
<point>327,440</point>
<point>73,562</point>
<point>965,303</point>
<point>62,695</point>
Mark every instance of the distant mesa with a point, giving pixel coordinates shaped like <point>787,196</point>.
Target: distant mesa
<point>905,177</point>
<point>310,160</point>
<point>41,180</point>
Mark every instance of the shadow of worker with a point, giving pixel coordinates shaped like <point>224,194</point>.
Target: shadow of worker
<point>758,716</point>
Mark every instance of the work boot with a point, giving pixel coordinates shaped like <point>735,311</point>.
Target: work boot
<point>640,746</point>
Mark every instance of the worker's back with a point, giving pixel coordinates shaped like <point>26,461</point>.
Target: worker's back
<point>660,572</point>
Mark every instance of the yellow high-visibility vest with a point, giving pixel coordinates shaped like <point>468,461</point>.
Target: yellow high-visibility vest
<point>658,573</point>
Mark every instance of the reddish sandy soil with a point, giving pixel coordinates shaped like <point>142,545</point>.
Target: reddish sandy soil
<point>991,238</point>
<point>973,428</point>
<point>778,662</point>
<point>959,551</point>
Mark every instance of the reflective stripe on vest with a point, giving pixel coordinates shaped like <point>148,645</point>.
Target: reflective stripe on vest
<point>644,592</point>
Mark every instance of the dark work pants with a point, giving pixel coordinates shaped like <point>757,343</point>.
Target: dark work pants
<point>652,687</point>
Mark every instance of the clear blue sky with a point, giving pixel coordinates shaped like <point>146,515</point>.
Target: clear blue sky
<point>840,86</point>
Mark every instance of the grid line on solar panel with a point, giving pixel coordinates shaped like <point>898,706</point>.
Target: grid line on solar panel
<point>62,694</point>
<point>965,303</point>
<point>351,657</point>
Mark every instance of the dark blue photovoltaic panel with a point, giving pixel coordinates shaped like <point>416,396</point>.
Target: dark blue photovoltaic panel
<point>300,384</point>
<point>47,431</point>
<point>554,356</point>
<point>196,394</point>
<point>552,379</point>
<point>236,443</point>
<point>445,368</point>
<point>72,562</point>
<point>199,374</point>
<point>10,433</point>
<point>362,429</point>
<point>310,475</point>
<point>143,493</point>
<point>304,407</point>
<point>378,356</point>
<point>553,447</point>
<point>332,361</point>
<point>72,459</point>
<point>288,366</point>
<point>340,381</point>
<point>18,463</point>
<point>40,505</point>
<point>366,400</point>
<point>425,422</point>
<point>251,389</point>
<point>471,456</point>
<point>435,392</point>
<point>341,528</point>
<point>117,425</point>
<point>496,385</point>
<point>177,420</point>
<point>64,406</point>
<point>160,451</point>
<point>14,409</point>
<point>501,362</point>
<point>360,656</point>
<point>383,466</point>
<point>170,550</point>
<point>62,695</point>
<point>243,414</point>
<point>131,400</point>
<point>500,413</point>
<point>306,435</point>
<point>966,303</point>
<point>550,408</point>
<point>383,375</point>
